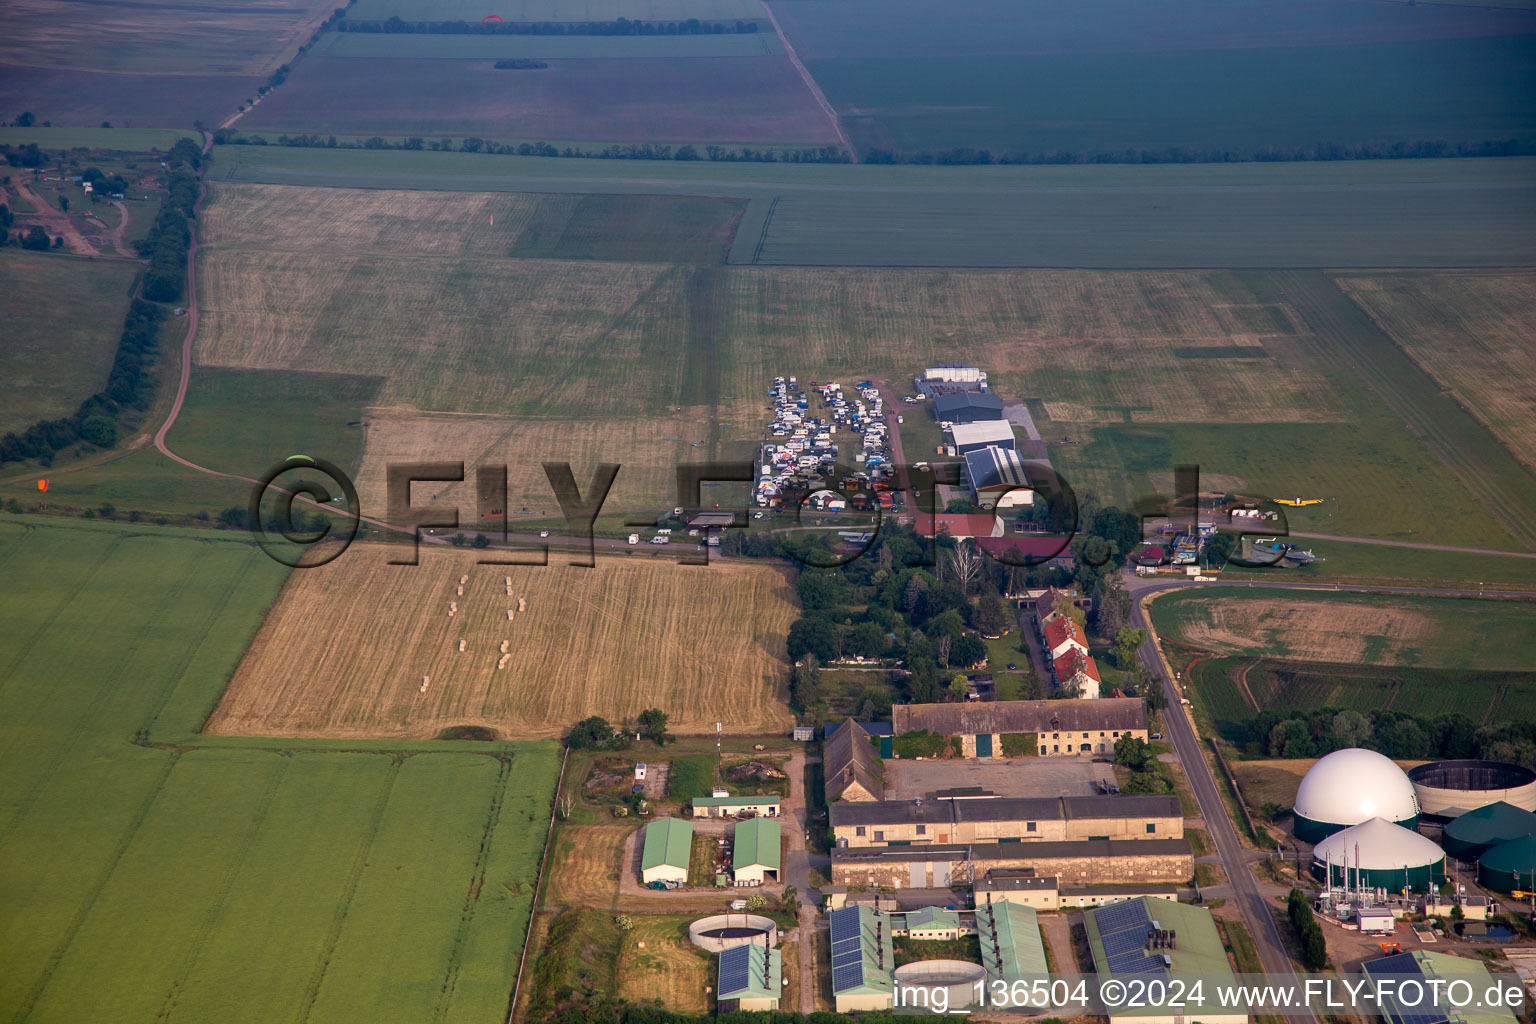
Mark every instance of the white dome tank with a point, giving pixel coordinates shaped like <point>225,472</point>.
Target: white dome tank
<point>1351,786</point>
<point>1379,854</point>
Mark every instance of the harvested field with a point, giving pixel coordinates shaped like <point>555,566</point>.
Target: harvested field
<point>668,967</point>
<point>560,10</point>
<point>548,47</point>
<point>584,866</point>
<point>1472,332</point>
<point>701,100</point>
<point>161,37</point>
<point>127,100</point>
<point>1339,631</point>
<point>347,648</point>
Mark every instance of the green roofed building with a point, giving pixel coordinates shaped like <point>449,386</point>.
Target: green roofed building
<point>755,853</point>
<point>751,978</point>
<point>1011,947</point>
<point>668,845</point>
<point>1477,831</point>
<point>933,923</point>
<point>1509,866</point>
<point>1152,938</point>
<point>1424,966</point>
<point>863,959</point>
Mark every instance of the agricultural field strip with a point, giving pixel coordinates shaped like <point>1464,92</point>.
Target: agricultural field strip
<point>343,45</point>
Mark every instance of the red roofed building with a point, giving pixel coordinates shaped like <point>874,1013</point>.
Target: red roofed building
<point>1063,635</point>
<point>960,526</point>
<point>1075,669</point>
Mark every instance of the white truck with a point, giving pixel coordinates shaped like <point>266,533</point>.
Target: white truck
<point>634,538</point>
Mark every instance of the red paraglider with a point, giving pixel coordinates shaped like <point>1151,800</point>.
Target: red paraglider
<point>490,17</point>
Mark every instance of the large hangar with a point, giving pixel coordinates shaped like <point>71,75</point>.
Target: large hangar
<point>1378,854</point>
<point>1351,786</point>
<point>1447,789</point>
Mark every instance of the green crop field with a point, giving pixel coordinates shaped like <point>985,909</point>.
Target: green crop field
<point>151,873</point>
<point>63,317</point>
<point>475,47</point>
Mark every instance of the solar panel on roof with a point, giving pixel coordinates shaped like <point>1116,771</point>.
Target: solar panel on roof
<point>844,945</point>
<point>735,969</point>
<point>844,978</point>
<point>1122,916</point>
<point>851,956</point>
<point>845,924</point>
<point>1117,943</point>
<point>1134,964</point>
<point>1397,963</point>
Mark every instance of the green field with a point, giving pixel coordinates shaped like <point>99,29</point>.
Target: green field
<point>556,10</point>
<point>63,317</point>
<point>1346,563</point>
<point>662,229</point>
<point>474,47</point>
<point>154,874</point>
<point>128,140</point>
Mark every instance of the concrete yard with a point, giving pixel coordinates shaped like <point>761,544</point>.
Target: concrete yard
<point>1021,776</point>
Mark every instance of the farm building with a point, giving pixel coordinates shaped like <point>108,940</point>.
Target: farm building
<point>851,765</point>
<point>755,852</point>
<point>1042,892</point>
<point>751,978</point>
<point>1425,967</point>
<point>997,478</point>
<point>1059,726</point>
<point>1351,786</point>
<point>938,820</point>
<point>959,525</point>
<point>1094,862</point>
<point>1476,832</point>
<point>949,380</point>
<point>968,407</point>
<point>1061,635</point>
<point>1011,946</point>
<point>735,806</point>
<point>862,959</point>
<point>1379,854</point>
<point>1152,938</point>
<point>933,924</point>
<point>973,437</point>
<point>1076,671</point>
<point>664,857</point>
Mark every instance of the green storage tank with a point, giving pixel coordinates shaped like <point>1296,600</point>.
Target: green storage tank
<point>1480,830</point>
<point>1509,866</point>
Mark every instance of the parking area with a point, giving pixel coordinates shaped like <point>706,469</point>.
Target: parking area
<point>1022,776</point>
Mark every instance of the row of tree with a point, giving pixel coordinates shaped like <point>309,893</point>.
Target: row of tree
<point>617,27</point>
<point>596,733</point>
<point>1420,149</point>
<point>170,237</point>
<point>1314,948</point>
<point>1397,734</point>
<point>617,151</point>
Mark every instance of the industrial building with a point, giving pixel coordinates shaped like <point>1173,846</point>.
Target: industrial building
<point>973,437</point>
<point>1378,854</point>
<point>851,766</point>
<point>959,525</point>
<point>735,806</point>
<point>961,407</point>
<point>1509,867</point>
<point>1446,789</point>
<point>1160,939</point>
<point>1060,727</point>
<point>668,843</point>
<point>1433,1008</point>
<point>755,851</point>
<point>1351,786</point>
<point>1089,863</point>
<point>1011,946</point>
<point>863,960</point>
<point>997,478</point>
<point>1474,833</point>
<point>938,820</point>
<point>945,380</point>
<point>751,978</point>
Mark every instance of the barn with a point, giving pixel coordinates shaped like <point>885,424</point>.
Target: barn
<point>755,852</point>
<point>668,845</point>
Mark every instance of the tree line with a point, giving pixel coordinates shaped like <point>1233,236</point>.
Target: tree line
<point>1432,149</point>
<point>626,151</point>
<point>170,236</point>
<point>1399,735</point>
<point>617,27</point>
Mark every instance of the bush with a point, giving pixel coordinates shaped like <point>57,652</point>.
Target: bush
<point>922,743</point>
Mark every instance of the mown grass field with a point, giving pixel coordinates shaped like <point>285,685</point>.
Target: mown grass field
<point>63,317</point>
<point>705,644</point>
<point>183,37</point>
<point>1472,333</point>
<point>731,99</point>
<point>151,873</point>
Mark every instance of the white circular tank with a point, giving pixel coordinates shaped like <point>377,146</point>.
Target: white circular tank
<point>1449,789</point>
<point>1351,786</point>
<point>947,983</point>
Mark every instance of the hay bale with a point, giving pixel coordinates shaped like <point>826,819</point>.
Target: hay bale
<point>461,645</point>
<point>461,591</point>
<point>463,579</point>
<point>503,647</point>
<point>509,614</point>
<point>522,604</point>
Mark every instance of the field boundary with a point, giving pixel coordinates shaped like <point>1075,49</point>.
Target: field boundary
<point>538,884</point>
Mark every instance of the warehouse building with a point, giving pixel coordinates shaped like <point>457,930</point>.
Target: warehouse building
<point>967,407</point>
<point>997,478</point>
<point>755,852</point>
<point>851,766</point>
<point>973,437</point>
<point>1060,727</point>
<point>664,857</point>
<point>863,960</point>
<point>735,806</point>
<point>751,978</point>
<point>959,525</point>
<point>939,820</point>
<point>1093,862</point>
<point>1349,787</point>
<point>1152,939</point>
<point>1011,946</point>
<point>1434,972</point>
